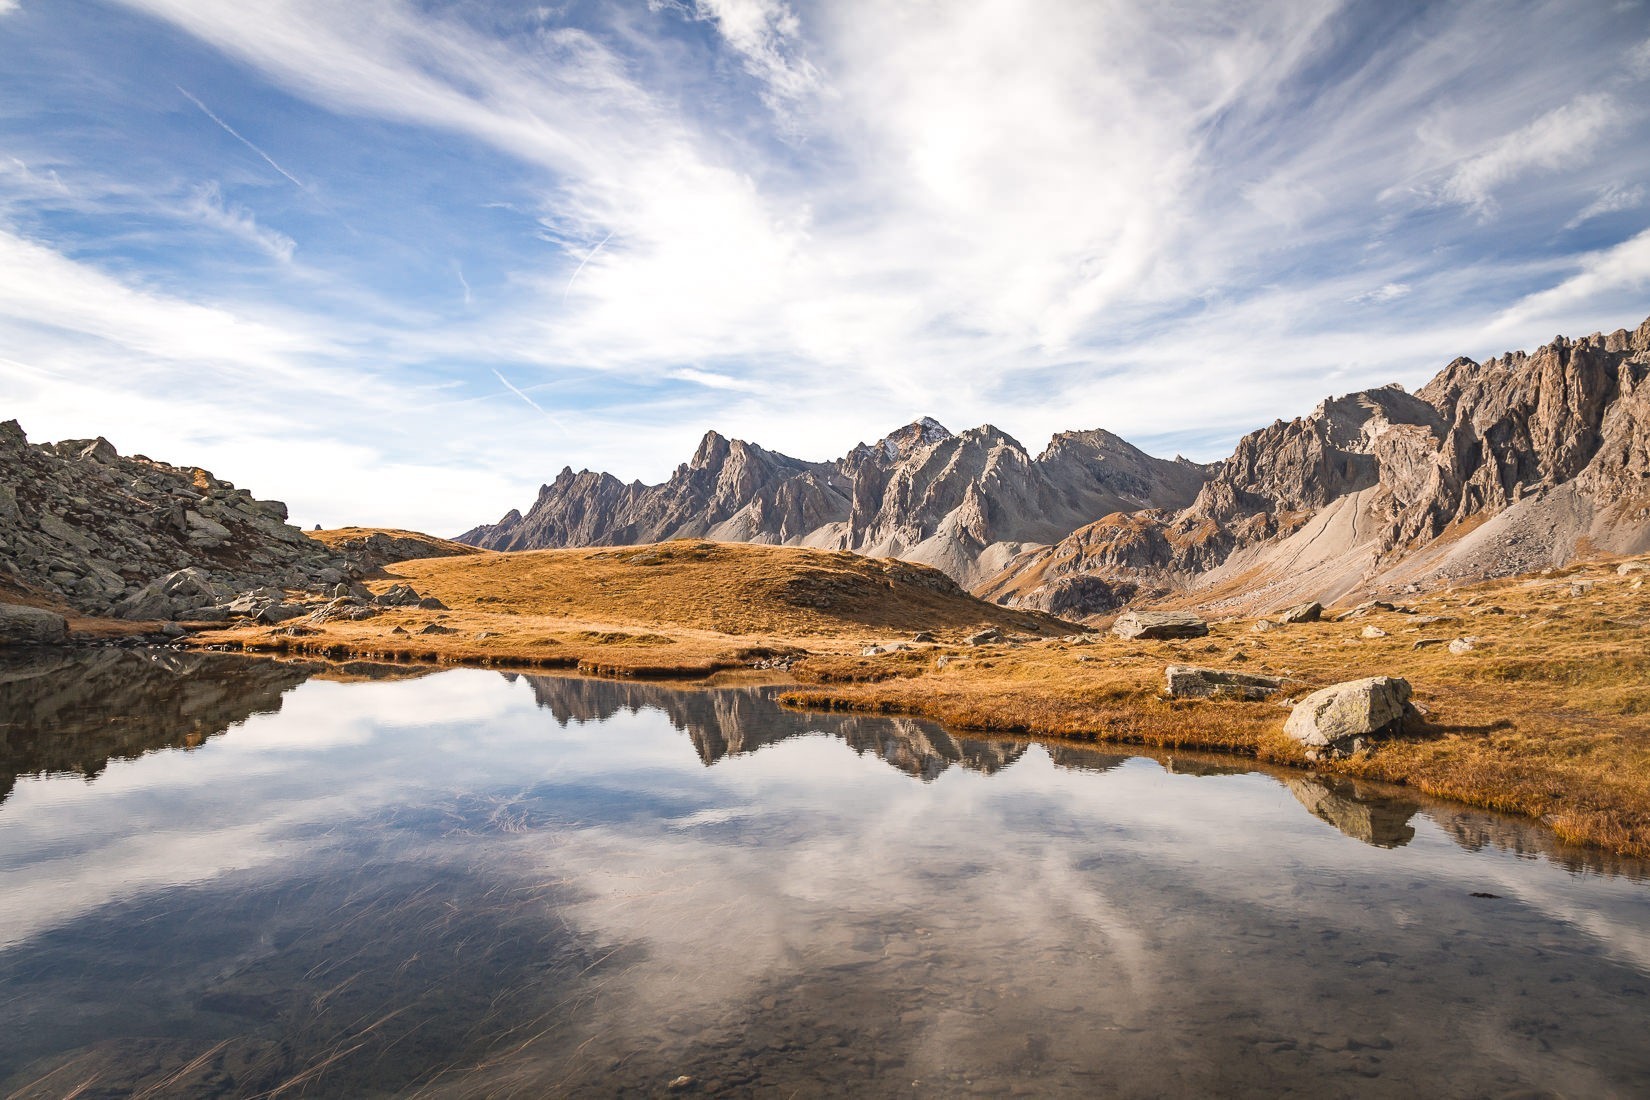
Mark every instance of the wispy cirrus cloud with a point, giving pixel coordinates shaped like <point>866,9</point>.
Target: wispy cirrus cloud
<point>207,202</point>
<point>805,222</point>
<point>1571,133</point>
<point>1612,199</point>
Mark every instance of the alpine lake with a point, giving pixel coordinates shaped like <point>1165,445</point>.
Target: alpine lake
<point>239,877</point>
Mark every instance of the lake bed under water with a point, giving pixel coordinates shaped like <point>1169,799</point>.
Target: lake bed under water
<point>223,876</point>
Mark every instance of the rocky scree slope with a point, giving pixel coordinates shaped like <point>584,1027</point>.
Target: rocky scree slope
<point>964,503</point>
<point>130,537</point>
<point>1527,461</point>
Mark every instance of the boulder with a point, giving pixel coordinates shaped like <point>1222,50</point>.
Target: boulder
<point>1303,613</point>
<point>1341,717</point>
<point>1155,625</point>
<point>985,637</point>
<point>164,597</point>
<point>99,450</point>
<point>882,650</point>
<point>1364,609</point>
<point>1264,625</point>
<point>148,602</point>
<point>1194,682</point>
<point>1373,632</point>
<point>400,595</point>
<point>437,628</point>
<point>342,607</point>
<point>31,626</point>
<point>1627,568</point>
<point>1463,645</point>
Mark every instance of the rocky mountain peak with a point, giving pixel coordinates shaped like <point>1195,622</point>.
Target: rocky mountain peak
<point>901,443</point>
<point>712,451</point>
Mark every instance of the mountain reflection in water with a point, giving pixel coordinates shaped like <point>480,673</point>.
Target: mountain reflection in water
<point>364,880</point>
<point>72,712</point>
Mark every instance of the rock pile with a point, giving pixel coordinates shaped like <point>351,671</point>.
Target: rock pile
<point>140,539</point>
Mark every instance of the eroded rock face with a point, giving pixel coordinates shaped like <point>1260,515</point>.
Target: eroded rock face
<point>962,503</point>
<point>1555,444</point>
<point>133,537</point>
<point>1336,717</point>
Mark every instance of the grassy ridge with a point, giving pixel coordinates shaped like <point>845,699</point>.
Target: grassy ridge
<point>675,609</point>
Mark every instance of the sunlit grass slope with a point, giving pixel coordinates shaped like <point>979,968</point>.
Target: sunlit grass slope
<point>675,608</point>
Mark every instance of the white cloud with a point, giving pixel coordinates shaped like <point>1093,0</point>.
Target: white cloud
<point>766,33</point>
<point>1610,200</point>
<point>42,289</point>
<point>1638,58</point>
<point>207,204</point>
<point>1567,134</point>
<point>1386,292</point>
<point>1045,215</point>
<point>1608,280</point>
<point>8,6</point>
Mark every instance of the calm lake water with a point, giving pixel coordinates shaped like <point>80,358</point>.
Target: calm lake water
<point>228,877</point>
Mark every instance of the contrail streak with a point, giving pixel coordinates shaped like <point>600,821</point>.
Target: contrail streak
<point>511,387</point>
<point>236,134</point>
<point>588,257</point>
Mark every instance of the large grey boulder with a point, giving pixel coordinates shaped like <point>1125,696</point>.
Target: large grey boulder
<point>31,626</point>
<point>1194,682</point>
<point>400,595</point>
<point>1159,625</point>
<point>164,597</point>
<point>1302,613</point>
<point>1341,718</point>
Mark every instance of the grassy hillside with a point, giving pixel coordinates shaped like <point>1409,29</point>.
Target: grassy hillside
<point>675,608</point>
<point>392,543</point>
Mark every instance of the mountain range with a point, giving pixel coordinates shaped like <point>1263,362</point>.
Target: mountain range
<point>1525,461</point>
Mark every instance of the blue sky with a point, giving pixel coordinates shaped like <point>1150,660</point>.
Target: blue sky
<point>400,262</point>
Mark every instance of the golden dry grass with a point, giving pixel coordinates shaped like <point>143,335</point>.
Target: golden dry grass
<point>677,609</point>
<point>1548,716</point>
